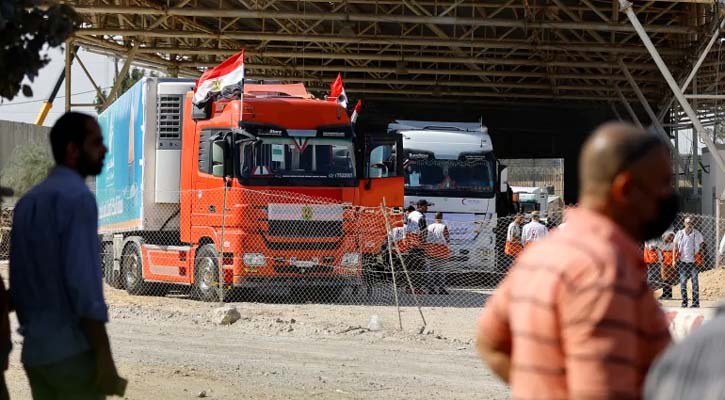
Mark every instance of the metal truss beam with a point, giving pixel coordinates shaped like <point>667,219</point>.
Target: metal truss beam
<point>366,56</point>
<point>379,40</point>
<point>378,18</point>
<point>699,128</point>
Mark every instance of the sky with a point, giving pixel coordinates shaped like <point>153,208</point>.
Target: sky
<point>25,109</point>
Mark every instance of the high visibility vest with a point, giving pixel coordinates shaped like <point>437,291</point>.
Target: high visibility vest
<point>668,257</point>
<point>650,256</point>
<point>513,249</point>
<point>436,245</point>
<point>415,234</point>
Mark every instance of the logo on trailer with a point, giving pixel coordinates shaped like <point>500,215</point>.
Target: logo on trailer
<point>306,213</point>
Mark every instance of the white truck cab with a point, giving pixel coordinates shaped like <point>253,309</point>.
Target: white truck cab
<point>452,166</point>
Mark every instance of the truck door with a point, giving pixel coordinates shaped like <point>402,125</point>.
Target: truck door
<point>382,171</point>
<point>208,199</point>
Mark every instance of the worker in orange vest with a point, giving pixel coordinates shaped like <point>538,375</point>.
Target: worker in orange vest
<point>668,266</point>
<point>652,261</point>
<point>437,252</point>
<point>513,246</point>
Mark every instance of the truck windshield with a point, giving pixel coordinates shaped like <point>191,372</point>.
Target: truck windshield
<point>298,157</point>
<point>471,175</point>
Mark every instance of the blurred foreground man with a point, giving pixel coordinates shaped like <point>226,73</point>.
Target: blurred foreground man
<point>55,272</point>
<point>575,318</point>
<point>694,368</point>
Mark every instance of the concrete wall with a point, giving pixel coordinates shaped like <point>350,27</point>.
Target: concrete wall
<point>14,134</point>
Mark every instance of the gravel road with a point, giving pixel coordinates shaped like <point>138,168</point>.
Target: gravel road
<point>170,349</point>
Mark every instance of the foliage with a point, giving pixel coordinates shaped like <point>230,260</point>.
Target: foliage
<point>25,30</point>
<point>28,165</point>
<point>135,75</point>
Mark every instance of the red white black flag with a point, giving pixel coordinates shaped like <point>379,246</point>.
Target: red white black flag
<point>356,112</point>
<point>228,73</point>
<point>337,92</point>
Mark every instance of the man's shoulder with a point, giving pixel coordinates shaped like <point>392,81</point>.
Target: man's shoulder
<point>51,191</point>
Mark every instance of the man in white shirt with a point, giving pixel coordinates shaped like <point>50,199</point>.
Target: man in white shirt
<point>534,230</point>
<point>688,243</point>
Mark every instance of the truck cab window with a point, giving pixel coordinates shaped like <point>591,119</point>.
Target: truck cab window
<point>383,162</point>
<point>299,158</point>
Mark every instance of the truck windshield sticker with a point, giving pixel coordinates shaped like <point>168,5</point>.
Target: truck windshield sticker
<point>277,153</point>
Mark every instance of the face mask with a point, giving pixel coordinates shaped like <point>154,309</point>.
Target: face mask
<point>667,208</point>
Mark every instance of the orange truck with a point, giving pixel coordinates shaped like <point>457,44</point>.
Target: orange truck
<point>272,188</point>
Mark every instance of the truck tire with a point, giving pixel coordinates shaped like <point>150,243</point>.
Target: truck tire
<point>132,270</point>
<point>110,276</point>
<point>206,274</point>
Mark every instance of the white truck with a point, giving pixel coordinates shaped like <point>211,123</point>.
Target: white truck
<point>452,166</point>
<point>531,198</point>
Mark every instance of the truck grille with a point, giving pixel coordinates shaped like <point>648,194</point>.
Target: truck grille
<point>305,229</point>
<point>291,269</point>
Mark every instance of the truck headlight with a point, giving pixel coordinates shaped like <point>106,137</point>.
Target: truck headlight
<point>254,259</point>
<point>350,259</point>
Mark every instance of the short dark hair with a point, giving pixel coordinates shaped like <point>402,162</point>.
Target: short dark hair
<point>410,209</point>
<point>439,215</point>
<point>72,127</point>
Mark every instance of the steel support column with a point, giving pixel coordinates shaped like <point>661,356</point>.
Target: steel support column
<point>631,112</point>
<point>117,84</point>
<point>627,8</point>
<point>696,67</point>
<point>649,111</point>
<point>68,73</point>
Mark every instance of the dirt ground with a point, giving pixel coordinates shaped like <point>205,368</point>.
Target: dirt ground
<point>169,348</point>
<point>712,286</point>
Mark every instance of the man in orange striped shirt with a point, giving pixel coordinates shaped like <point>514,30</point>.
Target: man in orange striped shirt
<point>575,318</point>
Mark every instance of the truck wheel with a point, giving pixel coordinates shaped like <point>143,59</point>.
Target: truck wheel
<point>131,270</point>
<point>206,274</point>
<point>110,276</point>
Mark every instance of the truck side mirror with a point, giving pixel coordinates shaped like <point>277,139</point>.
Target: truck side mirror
<point>219,158</point>
<point>504,179</point>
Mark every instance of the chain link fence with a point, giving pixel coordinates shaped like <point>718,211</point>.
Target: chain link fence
<point>273,246</point>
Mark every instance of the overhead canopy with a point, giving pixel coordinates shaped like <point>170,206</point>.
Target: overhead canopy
<point>455,51</point>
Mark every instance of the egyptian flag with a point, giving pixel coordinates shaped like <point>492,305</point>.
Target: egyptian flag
<point>337,92</point>
<point>356,112</point>
<point>213,81</point>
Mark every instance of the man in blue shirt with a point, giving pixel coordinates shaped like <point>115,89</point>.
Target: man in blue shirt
<point>55,272</point>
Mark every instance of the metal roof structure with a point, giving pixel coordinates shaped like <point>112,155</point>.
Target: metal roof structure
<point>449,50</point>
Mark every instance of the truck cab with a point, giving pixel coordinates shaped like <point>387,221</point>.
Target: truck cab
<point>452,166</point>
<point>272,187</point>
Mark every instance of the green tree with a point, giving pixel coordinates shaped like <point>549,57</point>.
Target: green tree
<point>133,76</point>
<point>25,30</point>
<point>28,165</point>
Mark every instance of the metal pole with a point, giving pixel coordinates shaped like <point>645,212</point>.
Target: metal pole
<point>695,163</point>
<point>696,67</point>
<point>703,56</point>
<point>68,62</point>
<point>628,107</point>
<point>614,110</point>
<point>705,96</point>
<point>627,7</point>
<point>677,166</point>
<point>650,112</point>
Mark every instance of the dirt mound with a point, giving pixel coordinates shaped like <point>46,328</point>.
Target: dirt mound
<point>712,285</point>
